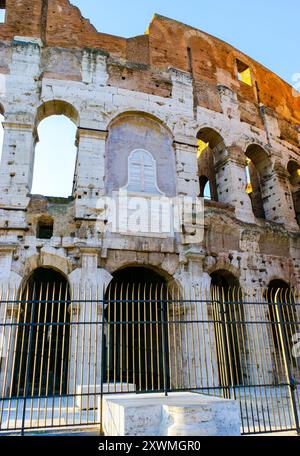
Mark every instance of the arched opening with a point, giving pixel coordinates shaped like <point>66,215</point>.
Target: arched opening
<point>257,170</point>
<point>294,173</point>
<point>143,138</point>
<point>205,191</point>
<point>284,324</point>
<point>210,149</point>
<point>136,342</point>
<point>40,364</point>
<point>230,330</point>
<point>55,154</point>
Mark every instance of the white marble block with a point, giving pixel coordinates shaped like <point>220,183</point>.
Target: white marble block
<point>178,414</point>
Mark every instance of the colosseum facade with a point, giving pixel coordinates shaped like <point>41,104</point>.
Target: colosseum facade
<point>214,122</point>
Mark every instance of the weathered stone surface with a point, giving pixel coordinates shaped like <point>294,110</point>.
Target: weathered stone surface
<point>178,414</point>
<point>163,91</point>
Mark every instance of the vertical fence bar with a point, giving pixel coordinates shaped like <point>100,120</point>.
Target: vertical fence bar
<point>28,361</point>
<point>163,335</point>
<point>102,361</point>
<point>288,371</point>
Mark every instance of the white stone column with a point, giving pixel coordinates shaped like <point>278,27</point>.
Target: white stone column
<point>88,285</point>
<point>21,99</point>
<point>187,166</point>
<point>9,313</point>
<point>90,171</point>
<point>199,361</point>
<point>232,181</point>
<point>278,199</point>
<point>256,352</point>
<point>16,170</point>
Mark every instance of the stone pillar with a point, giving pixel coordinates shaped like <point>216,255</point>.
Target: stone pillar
<point>198,357</point>
<point>277,197</point>
<point>257,361</point>
<point>187,166</point>
<point>17,161</point>
<point>88,285</point>
<point>90,171</point>
<point>21,98</point>
<point>9,314</point>
<point>182,89</point>
<point>232,181</point>
<point>258,369</point>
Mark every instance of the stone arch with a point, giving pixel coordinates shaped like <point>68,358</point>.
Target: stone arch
<point>224,266</point>
<point>160,271</point>
<point>56,121</point>
<point>211,148</point>
<point>46,260</point>
<point>131,111</point>
<point>259,168</point>
<point>57,108</point>
<point>224,278</point>
<point>133,130</point>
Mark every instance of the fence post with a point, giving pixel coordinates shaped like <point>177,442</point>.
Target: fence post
<point>102,366</point>
<point>28,361</point>
<point>226,342</point>
<point>164,335</point>
<point>287,367</point>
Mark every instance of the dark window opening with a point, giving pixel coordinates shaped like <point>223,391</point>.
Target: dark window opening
<point>2,11</point>
<point>244,73</point>
<point>44,229</point>
<point>205,191</point>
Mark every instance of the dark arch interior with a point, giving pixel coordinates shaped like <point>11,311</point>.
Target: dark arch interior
<point>230,340</point>
<point>41,361</point>
<point>277,286</point>
<point>205,187</point>
<point>224,279</point>
<point>259,168</point>
<point>136,343</point>
<point>279,291</point>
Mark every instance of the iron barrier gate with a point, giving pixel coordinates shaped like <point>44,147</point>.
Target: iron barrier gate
<point>62,351</point>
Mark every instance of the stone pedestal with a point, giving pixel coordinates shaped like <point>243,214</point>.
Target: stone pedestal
<point>179,414</point>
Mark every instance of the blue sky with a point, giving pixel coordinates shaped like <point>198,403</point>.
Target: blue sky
<point>266,30</point>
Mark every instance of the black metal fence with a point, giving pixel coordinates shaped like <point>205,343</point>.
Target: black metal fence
<point>62,351</point>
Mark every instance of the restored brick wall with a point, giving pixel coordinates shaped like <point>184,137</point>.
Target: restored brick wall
<point>212,62</point>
